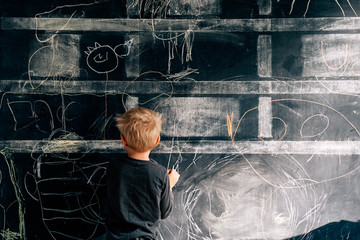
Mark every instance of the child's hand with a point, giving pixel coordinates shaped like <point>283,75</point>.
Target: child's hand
<point>173,177</point>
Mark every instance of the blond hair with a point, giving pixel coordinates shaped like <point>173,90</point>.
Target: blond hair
<point>141,127</point>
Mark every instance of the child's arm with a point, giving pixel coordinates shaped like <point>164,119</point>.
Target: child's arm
<point>173,177</point>
<point>167,198</point>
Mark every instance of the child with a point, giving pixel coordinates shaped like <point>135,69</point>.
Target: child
<point>139,189</point>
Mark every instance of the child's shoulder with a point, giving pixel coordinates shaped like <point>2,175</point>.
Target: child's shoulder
<point>158,167</point>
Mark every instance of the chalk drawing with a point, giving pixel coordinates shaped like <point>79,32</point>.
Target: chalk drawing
<point>346,121</point>
<point>104,59</point>
<point>223,200</point>
<point>150,8</point>
<point>345,57</point>
<point>297,184</point>
<point>38,16</point>
<point>216,180</point>
<point>353,66</point>
<point>50,66</point>
<point>75,181</point>
<point>50,41</point>
<point>7,233</point>
<point>88,210</point>
<point>27,106</point>
<point>150,73</point>
<point>175,45</point>
<point>264,122</point>
<point>320,116</point>
<point>309,2</point>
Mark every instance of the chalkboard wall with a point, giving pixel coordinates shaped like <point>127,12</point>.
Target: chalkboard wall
<point>260,100</point>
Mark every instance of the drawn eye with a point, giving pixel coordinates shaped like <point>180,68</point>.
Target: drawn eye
<point>100,58</point>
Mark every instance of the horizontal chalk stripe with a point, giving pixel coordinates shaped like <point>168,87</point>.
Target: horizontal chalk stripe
<point>198,147</point>
<point>183,87</point>
<point>323,24</point>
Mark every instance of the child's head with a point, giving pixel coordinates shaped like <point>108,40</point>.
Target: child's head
<point>140,127</point>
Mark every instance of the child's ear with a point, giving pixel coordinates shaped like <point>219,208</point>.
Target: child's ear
<point>123,139</point>
<point>157,141</point>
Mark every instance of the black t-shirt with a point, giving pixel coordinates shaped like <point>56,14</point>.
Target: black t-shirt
<point>139,195</point>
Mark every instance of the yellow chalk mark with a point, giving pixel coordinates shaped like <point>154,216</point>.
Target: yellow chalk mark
<point>9,235</point>
<point>229,123</point>
<point>352,68</point>
<point>345,58</point>
<point>265,121</point>
<point>319,133</point>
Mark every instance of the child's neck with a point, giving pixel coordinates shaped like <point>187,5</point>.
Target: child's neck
<point>144,156</point>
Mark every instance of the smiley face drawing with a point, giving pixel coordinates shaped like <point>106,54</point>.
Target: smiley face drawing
<point>104,59</point>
